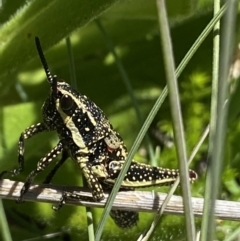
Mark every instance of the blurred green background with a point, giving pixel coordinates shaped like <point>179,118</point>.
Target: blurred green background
<point>133,28</point>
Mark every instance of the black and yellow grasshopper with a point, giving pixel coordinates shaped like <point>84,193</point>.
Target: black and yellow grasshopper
<point>88,138</point>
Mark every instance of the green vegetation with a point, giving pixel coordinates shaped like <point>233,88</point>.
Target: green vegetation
<point>132,27</point>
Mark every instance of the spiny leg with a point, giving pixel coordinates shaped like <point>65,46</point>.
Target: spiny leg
<point>138,175</point>
<point>93,183</point>
<point>92,180</point>
<point>58,165</point>
<point>28,133</point>
<point>73,195</point>
<point>124,219</point>
<point>41,165</point>
<point>143,175</point>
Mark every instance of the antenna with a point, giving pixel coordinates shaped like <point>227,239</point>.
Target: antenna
<point>44,62</point>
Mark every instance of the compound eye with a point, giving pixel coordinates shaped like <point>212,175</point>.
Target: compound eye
<point>66,102</point>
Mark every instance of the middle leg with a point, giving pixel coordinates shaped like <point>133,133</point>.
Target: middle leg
<point>52,173</point>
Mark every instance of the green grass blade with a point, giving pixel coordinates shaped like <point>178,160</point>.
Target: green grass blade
<point>214,100</point>
<point>127,84</point>
<point>217,140</point>
<point>176,117</point>
<point>72,68</point>
<point>151,116</point>
<point>73,78</point>
<point>6,235</point>
<point>200,40</point>
<point>147,235</point>
<point>233,236</point>
<point>134,148</point>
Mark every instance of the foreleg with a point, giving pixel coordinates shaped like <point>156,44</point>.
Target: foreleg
<point>28,133</point>
<point>42,164</point>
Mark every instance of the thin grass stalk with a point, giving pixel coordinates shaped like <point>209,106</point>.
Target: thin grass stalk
<point>146,236</point>
<point>131,153</point>
<point>177,117</point>
<point>213,177</point>
<point>89,214</point>
<point>127,83</point>
<point>151,116</point>
<point>4,227</point>
<point>233,236</point>
<point>6,235</point>
<point>200,39</point>
<point>179,70</point>
<point>73,78</point>
<point>121,69</point>
<point>138,201</point>
<point>214,100</point>
<point>49,236</point>
<point>72,68</point>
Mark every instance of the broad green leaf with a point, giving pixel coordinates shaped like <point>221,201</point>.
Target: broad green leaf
<point>50,20</point>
